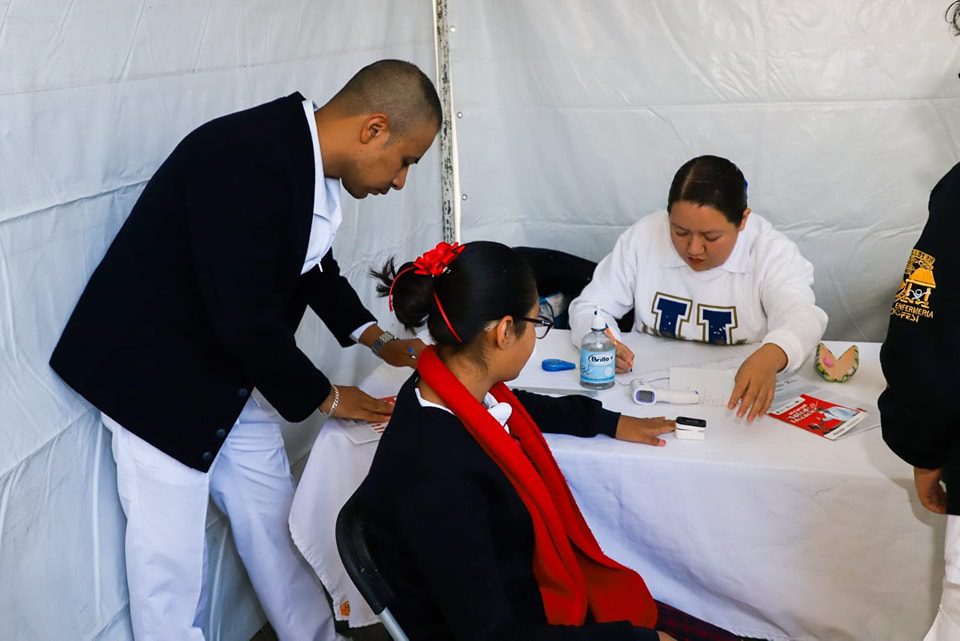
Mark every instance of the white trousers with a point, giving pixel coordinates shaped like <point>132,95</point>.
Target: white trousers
<point>946,627</point>
<point>165,503</point>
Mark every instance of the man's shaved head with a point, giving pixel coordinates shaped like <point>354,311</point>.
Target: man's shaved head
<point>395,88</point>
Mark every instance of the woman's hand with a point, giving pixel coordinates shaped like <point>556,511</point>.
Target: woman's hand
<point>756,381</point>
<point>402,352</point>
<point>357,404</point>
<point>929,489</point>
<point>624,358</point>
<point>644,430</point>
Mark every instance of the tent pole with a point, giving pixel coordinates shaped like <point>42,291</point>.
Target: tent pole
<point>449,165</point>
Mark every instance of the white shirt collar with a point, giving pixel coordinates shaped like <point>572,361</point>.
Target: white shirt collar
<point>738,262</point>
<point>326,191</point>
<point>499,411</point>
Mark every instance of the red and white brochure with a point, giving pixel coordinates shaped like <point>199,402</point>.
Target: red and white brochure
<point>817,416</point>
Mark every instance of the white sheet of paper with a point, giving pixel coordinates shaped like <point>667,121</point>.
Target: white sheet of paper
<point>360,432</point>
<point>714,385</point>
<point>728,358</point>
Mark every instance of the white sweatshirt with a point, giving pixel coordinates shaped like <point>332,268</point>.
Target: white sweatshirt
<point>761,294</point>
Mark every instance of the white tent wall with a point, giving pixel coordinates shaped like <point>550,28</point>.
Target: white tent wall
<point>842,115</point>
<point>93,95</point>
<point>575,116</point>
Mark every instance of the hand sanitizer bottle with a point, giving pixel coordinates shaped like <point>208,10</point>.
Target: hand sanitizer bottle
<point>598,356</point>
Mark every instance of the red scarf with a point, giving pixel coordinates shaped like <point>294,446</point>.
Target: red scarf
<point>572,571</point>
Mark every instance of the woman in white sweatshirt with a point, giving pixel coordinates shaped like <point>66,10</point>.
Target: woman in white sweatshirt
<point>708,270</point>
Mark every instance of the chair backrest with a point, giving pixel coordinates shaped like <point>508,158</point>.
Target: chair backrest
<point>356,557</point>
<point>557,271</point>
<point>360,566</point>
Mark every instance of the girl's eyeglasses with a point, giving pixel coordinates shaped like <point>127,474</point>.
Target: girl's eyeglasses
<point>541,325</point>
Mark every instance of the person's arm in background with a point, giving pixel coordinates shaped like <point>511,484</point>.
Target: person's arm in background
<point>612,289</point>
<point>337,304</point>
<point>350,321</point>
<point>920,437</point>
<point>794,322</point>
<point>794,325</point>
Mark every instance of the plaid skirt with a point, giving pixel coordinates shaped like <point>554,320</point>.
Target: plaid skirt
<point>685,627</point>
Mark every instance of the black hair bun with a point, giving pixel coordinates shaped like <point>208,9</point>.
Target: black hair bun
<point>412,292</point>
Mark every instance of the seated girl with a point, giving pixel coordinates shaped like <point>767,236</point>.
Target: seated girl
<point>468,516</point>
<point>706,269</point>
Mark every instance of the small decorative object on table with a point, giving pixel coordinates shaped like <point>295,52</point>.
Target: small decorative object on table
<point>837,370</point>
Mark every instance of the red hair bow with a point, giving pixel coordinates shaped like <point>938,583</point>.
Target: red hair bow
<point>432,263</point>
<point>436,261</point>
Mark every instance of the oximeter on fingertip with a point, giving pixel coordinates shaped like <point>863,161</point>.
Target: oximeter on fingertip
<point>690,429</point>
<point>646,395</point>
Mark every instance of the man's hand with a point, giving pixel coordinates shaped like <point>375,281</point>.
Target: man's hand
<point>355,403</point>
<point>756,381</point>
<point>402,352</point>
<point>624,358</point>
<point>931,493</point>
<point>664,636</point>
<point>644,430</point>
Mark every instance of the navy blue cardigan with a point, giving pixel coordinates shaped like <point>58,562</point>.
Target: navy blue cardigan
<point>198,297</point>
<point>452,537</point>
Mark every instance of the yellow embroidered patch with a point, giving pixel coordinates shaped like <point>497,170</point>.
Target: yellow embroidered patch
<point>345,609</point>
<point>916,287</point>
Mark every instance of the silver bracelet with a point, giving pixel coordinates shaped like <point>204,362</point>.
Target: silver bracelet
<point>336,401</point>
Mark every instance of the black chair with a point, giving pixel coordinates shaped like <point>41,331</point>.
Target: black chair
<point>360,566</point>
<point>557,271</point>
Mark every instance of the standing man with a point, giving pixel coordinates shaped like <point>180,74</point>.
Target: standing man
<point>184,336</point>
<point>918,410</point>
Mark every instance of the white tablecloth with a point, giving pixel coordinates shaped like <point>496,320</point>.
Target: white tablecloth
<point>762,528</point>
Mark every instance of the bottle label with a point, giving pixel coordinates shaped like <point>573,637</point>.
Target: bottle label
<point>597,367</point>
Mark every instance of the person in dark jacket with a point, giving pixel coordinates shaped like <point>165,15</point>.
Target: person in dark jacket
<point>468,516</point>
<point>918,410</point>
<point>184,335</point>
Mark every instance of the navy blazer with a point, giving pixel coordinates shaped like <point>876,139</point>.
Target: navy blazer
<point>198,297</point>
<point>452,537</point>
